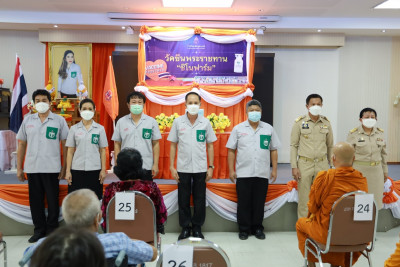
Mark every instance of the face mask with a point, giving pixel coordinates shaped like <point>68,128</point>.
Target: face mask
<point>87,115</point>
<point>193,109</point>
<point>42,107</point>
<point>136,109</point>
<point>254,116</point>
<point>315,110</point>
<point>369,123</point>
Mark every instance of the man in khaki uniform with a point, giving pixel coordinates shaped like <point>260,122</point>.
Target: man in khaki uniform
<point>368,141</point>
<point>311,146</point>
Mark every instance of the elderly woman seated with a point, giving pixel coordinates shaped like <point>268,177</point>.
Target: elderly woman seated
<point>129,171</point>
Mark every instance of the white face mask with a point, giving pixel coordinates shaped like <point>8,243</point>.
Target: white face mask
<point>193,109</point>
<point>315,110</point>
<point>87,115</point>
<point>369,123</point>
<point>42,107</point>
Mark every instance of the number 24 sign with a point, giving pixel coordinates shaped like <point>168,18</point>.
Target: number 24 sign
<point>363,207</point>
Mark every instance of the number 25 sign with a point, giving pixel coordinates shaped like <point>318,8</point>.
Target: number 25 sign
<point>125,206</point>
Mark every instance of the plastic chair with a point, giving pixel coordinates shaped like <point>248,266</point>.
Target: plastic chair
<point>143,227</point>
<point>345,234</point>
<point>204,251</point>
<point>3,248</point>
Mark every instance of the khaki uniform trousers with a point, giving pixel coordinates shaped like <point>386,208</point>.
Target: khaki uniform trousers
<point>308,172</point>
<point>374,175</point>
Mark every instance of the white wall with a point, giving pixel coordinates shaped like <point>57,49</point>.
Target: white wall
<point>364,81</point>
<point>32,56</point>
<point>298,73</point>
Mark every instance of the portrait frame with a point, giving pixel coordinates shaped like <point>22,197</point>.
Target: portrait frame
<point>82,56</point>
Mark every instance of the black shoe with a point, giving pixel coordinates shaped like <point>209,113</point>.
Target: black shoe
<point>185,233</point>
<point>35,238</point>
<point>259,234</point>
<point>197,233</point>
<point>243,235</point>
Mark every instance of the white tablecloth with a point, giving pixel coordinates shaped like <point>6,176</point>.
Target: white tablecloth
<point>8,144</point>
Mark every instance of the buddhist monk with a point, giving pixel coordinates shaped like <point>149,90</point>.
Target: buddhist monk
<point>327,187</point>
<point>394,259</point>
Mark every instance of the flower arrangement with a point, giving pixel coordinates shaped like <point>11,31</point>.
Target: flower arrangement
<point>165,122</point>
<point>220,122</point>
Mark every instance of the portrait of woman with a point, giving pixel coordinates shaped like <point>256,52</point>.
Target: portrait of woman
<point>69,76</point>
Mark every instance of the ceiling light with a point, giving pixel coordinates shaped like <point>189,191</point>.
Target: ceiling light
<point>123,27</point>
<point>129,30</point>
<point>261,30</point>
<point>197,3</point>
<point>319,30</point>
<point>55,26</point>
<point>389,4</point>
<point>383,31</point>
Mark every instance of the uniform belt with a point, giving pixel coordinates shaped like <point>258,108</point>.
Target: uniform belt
<point>367,163</point>
<point>312,160</point>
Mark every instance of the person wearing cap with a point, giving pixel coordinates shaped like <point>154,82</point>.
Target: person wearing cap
<point>86,156</point>
<point>194,137</point>
<point>40,136</point>
<point>256,144</point>
<point>311,144</point>
<point>139,131</point>
<point>369,143</point>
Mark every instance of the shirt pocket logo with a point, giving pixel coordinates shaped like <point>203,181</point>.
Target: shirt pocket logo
<point>201,135</point>
<point>95,138</point>
<point>146,133</point>
<point>51,133</point>
<point>73,74</point>
<point>265,141</point>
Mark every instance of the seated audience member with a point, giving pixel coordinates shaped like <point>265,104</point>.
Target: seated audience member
<point>327,187</point>
<point>129,171</point>
<point>69,246</point>
<point>394,259</point>
<point>81,209</point>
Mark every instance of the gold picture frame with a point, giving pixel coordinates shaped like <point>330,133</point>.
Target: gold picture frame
<point>82,54</point>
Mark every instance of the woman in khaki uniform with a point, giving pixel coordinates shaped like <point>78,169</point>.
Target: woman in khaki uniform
<point>370,147</point>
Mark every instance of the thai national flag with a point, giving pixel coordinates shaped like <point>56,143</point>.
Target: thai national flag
<point>19,100</point>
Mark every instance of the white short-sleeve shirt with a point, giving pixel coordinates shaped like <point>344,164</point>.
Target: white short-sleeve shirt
<point>253,149</point>
<point>138,136</point>
<point>69,84</point>
<point>43,142</point>
<point>192,139</point>
<point>87,144</point>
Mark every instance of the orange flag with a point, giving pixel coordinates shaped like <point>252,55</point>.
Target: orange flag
<point>110,95</point>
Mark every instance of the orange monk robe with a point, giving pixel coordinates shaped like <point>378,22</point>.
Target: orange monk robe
<point>394,259</point>
<point>327,187</point>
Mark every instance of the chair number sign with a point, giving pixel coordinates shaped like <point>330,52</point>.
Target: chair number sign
<point>178,256</point>
<point>125,206</point>
<point>363,207</point>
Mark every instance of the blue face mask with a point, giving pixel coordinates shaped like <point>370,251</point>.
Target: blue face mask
<point>254,116</point>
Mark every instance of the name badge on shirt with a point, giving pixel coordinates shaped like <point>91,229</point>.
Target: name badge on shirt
<point>146,133</point>
<point>51,133</point>
<point>73,74</point>
<point>265,140</point>
<point>95,138</point>
<point>201,135</point>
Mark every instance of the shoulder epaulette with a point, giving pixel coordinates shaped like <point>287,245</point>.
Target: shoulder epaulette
<point>353,130</point>
<point>325,118</point>
<point>380,129</point>
<point>299,118</point>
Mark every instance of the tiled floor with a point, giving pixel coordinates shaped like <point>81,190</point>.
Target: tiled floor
<point>278,249</point>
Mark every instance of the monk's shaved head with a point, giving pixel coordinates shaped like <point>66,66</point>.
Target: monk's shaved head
<point>344,154</point>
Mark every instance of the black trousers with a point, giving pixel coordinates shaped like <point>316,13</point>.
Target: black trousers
<point>86,179</point>
<point>192,183</point>
<point>41,185</point>
<point>251,193</point>
<point>69,96</point>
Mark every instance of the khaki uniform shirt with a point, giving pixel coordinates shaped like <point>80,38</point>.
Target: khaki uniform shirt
<point>311,139</point>
<point>253,149</point>
<point>138,136</point>
<point>87,144</point>
<point>369,148</point>
<point>43,153</point>
<point>192,139</point>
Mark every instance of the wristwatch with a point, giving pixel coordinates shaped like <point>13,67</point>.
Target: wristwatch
<point>211,166</point>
